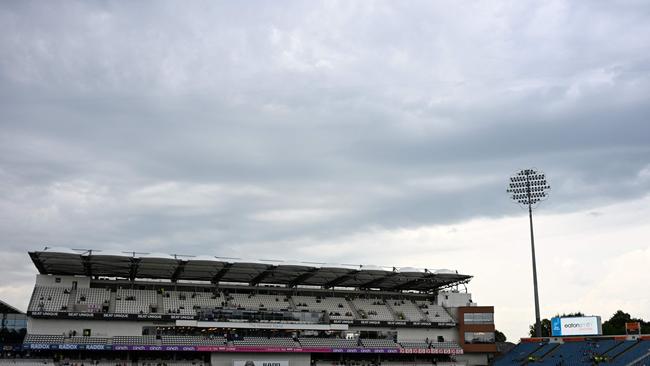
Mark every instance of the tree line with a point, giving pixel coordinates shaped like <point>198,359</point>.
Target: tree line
<point>614,326</point>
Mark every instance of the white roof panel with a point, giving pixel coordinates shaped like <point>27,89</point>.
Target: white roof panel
<point>224,269</point>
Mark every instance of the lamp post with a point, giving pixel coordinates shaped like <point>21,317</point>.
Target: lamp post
<point>528,187</point>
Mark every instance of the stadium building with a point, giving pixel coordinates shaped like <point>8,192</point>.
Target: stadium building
<point>111,308</point>
<point>13,326</point>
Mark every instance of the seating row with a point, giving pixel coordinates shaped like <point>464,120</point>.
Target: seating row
<point>132,301</point>
<point>246,341</point>
<point>587,352</point>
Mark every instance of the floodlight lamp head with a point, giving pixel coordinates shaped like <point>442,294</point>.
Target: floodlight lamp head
<point>528,187</point>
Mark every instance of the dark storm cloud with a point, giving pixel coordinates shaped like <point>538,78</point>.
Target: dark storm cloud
<point>239,128</point>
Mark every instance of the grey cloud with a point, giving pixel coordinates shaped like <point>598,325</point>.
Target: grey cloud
<point>329,113</point>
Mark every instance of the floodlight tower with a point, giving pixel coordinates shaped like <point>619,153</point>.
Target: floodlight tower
<point>528,187</point>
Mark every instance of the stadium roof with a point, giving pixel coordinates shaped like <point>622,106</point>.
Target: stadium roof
<point>8,309</point>
<point>132,265</point>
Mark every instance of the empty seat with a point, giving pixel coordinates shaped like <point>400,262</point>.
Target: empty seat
<point>411,344</point>
<point>373,309</point>
<point>88,340</point>
<point>192,341</point>
<point>434,312</point>
<point>131,301</point>
<point>189,302</point>
<point>135,340</point>
<point>93,298</point>
<point>335,307</point>
<point>259,302</point>
<point>44,338</point>
<point>379,343</point>
<point>407,310</point>
<point>329,342</point>
<point>49,299</point>
<point>265,342</point>
<point>445,344</point>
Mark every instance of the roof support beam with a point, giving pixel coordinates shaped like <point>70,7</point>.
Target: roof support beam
<point>451,285</point>
<point>88,269</point>
<point>377,281</point>
<point>338,280</point>
<point>303,277</point>
<point>263,275</point>
<point>222,272</point>
<point>410,284</point>
<point>133,271</point>
<point>179,270</point>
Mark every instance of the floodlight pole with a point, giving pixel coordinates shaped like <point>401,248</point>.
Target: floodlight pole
<point>528,187</point>
<point>538,324</point>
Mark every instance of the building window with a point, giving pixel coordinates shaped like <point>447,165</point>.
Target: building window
<point>15,321</point>
<point>479,337</point>
<point>478,318</point>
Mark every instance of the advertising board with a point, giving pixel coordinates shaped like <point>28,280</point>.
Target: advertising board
<point>259,363</point>
<point>237,349</point>
<point>633,328</point>
<point>576,326</point>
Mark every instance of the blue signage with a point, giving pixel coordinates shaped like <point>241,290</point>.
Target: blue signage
<point>556,327</point>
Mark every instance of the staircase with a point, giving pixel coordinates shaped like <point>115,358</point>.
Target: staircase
<point>292,305</point>
<point>354,309</point>
<point>622,350</point>
<point>612,348</point>
<point>111,304</point>
<point>72,297</point>
<point>541,356</point>
<point>549,351</point>
<point>159,303</point>
<point>393,312</point>
<point>422,314</point>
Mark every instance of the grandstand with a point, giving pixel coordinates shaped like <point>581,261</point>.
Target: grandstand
<point>632,350</point>
<point>127,308</point>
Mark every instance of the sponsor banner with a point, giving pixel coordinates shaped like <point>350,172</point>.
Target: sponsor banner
<point>433,351</point>
<point>247,325</point>
<point>238,349</point>
<point>365,350</point>
<point>37,346</point>
<point>97,347</point>
<point>576,326</point>
<point>67,346</point>
<point>174,317</point>
<point>109,316</point>
<point>260,363</point>
<point>396,323</point>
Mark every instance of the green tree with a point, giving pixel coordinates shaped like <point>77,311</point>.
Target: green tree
<point>616,324</point>
<point>499,336</point>
<point>546,328</point>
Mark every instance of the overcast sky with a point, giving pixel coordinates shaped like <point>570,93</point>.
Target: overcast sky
<point>348,132</point>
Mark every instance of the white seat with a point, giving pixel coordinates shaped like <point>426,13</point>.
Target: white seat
<point>335,307</point>
<point>373,309</point>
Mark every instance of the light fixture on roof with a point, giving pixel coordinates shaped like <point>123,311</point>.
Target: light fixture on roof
<point>528,187</point>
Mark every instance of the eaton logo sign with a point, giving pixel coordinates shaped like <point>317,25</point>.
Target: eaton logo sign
<point>576,326</point>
